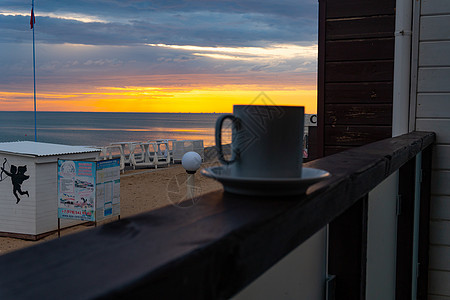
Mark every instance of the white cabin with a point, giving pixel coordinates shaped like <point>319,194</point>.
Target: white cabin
<point>36,214</point>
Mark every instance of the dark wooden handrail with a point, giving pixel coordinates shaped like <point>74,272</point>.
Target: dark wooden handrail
<point>211,250</point>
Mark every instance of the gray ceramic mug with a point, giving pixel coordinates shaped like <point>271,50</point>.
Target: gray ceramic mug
<point>267,141</point>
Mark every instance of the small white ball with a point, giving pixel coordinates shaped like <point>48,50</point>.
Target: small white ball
<point>191,161</point>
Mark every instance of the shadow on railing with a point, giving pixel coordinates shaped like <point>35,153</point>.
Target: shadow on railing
<point>217,247</point>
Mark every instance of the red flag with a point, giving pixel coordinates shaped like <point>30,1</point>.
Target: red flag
<point>32,20</point>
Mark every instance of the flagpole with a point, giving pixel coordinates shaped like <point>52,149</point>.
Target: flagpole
<point>34,74</point>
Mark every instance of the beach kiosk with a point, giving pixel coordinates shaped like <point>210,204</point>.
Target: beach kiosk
<point>28,186</point>
<point>88,190</point>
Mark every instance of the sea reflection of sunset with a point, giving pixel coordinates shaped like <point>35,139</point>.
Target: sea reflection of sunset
<point>99,129</point>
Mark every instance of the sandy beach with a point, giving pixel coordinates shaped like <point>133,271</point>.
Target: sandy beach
<point>140,190</point>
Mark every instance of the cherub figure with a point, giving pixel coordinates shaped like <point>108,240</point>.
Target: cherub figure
<point>17,178</point>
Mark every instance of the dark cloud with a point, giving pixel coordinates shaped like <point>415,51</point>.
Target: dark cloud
<point>216,23</point>
<point>116,8</point>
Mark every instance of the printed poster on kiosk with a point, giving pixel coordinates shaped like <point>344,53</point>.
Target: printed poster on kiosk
<point>108,189</point>
<point>76,190</point>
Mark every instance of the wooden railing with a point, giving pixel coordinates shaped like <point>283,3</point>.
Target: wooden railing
<point>211,250</point>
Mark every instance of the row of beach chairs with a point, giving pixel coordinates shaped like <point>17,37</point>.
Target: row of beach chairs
<point>150,154</point>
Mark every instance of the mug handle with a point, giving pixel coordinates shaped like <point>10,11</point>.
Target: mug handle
<point>219,124</point>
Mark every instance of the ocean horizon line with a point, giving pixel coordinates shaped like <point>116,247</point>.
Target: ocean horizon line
<point>108,112</point>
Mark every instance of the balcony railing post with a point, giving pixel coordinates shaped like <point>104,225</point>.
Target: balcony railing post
<point>413,227</point>
<point>405,227</point>
<point>347,253</point>
<point>417,186</point>
<point>424,224</point>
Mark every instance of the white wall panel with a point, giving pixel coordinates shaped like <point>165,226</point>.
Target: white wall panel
<point>438,282</point>
<point>435,27</point>
<point>434,53</point>
<point>439,208</point>
<point>440,126</point>
<point>433,105</point>
<point>435,7</point>
<point>440,184</point>
<point>439,233</point>
<point>434,80</point>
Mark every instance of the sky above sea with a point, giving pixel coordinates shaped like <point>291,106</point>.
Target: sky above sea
<point>158,56</point>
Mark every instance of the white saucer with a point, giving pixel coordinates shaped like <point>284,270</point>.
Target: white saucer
<point>254,186</point>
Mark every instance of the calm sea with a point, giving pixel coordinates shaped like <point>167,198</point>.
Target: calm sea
<point>99,129</point>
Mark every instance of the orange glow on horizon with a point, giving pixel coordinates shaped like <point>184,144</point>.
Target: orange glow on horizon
<point>198,99</point>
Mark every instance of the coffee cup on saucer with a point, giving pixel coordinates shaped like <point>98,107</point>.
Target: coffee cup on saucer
<point>267,141</point>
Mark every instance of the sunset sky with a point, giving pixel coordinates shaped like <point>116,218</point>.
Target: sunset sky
<point>158,56</point>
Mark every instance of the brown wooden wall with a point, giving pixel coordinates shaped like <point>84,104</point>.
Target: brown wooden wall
<point>355,76</point>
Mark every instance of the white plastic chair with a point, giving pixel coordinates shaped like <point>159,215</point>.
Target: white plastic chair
<point>181,147</point>
<point>139,155</point>
<point>109,152</point>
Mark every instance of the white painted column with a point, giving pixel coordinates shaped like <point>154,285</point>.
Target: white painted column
<point>382,240</point>
<point>402,67</point>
